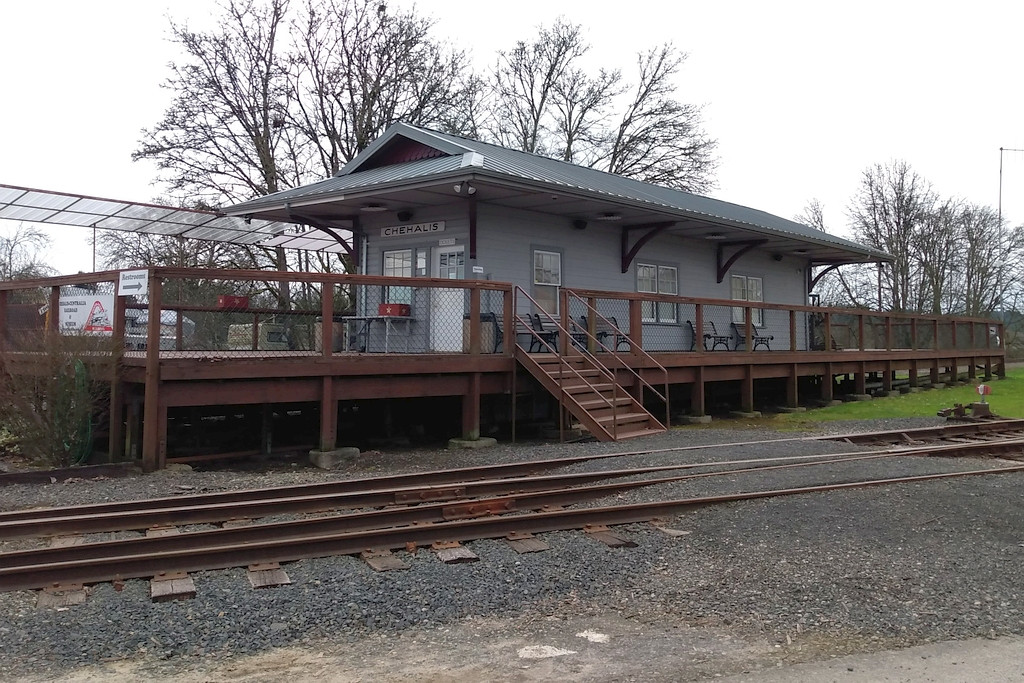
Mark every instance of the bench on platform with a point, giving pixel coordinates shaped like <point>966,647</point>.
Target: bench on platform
<point>760,338</point>
<point>711,335</point>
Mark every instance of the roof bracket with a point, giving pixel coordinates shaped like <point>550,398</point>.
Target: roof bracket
<point>744,247</point>
<point>652,229</point>
<point>816,278</point>
<point>329,229</point>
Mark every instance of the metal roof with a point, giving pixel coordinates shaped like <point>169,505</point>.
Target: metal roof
<point>495,163</point>
<point>60,208</point>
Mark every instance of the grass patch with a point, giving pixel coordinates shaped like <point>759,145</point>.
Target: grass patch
<point>1007,400</point>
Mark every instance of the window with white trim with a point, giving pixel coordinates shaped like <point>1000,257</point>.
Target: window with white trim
<point>398,263</point>
<point>749,289</point>
<point>547,278</point>
<point>654,279</point>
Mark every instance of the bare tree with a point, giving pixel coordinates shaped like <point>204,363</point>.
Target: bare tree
<point>224,138</point>
<point>889,210</point>
<point>22,254</point>
<point>544,102</point>
<point>357,67</point>
<point>660,139</point>
<point>812,215</point>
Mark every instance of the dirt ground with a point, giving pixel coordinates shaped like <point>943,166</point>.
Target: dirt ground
<point>602,647</point>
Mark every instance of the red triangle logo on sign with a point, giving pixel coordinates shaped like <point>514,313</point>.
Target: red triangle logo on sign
<point>98,320</point>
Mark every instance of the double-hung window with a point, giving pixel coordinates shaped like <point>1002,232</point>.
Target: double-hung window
<point>547,278</point>
<point>748,289</point>
<point>654,279</point>
<point>398,263</point>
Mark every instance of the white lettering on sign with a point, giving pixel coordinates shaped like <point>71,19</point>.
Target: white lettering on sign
<point>447,242</point>
<point>135,282</point>
<point>413,229</point>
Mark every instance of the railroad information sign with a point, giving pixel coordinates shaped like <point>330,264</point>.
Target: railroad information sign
<point>984,390</point>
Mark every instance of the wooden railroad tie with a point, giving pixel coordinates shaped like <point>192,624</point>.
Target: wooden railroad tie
<point>382,560</point>
<point>167,586</point>
<point>600,532</point>
<point>453,552</point>
<point>267,575</point>
<point>526,543</point>
<point>61,595</point>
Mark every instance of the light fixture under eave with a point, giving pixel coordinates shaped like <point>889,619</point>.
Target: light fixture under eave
<point>608,216</point>
<point>373,208</point>
<point>714,236</point>
<point>464,188</point>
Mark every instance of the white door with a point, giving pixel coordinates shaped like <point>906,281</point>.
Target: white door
<point>446,305</point>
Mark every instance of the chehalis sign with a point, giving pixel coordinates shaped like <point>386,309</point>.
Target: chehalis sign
<point>412,229</point>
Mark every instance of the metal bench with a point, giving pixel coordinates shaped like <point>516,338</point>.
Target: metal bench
<point>603,330</point>
<point>760,338</point>
<point>711,335</point>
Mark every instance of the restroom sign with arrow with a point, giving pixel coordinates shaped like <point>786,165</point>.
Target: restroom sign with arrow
<point>133,282</point>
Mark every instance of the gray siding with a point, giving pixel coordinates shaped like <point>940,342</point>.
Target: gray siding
<point>591,260</point>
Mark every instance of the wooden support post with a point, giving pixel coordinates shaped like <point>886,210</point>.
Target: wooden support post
<point>151,436</point>
<point>826,382</point>
<point>133,423</point>
<point>328,416</point>
<point>161,447</point>
<point>53,311</point>
<point>933,371</point>
<point>747,389</point>
<point>913,336</point>
<point>697,406</point>
<point>563,320</point>
<point>935,334</point>
<point>4,326</point>
<point>327,318</point>
<point>748,331</point>
<point>952,330</point>
<point>860,377</point>
<point>266,429</point>
<point>115,440</point>
<point>698,337</point>
<point>471,409</point>
<point>827,331</point>
<point>474,321</point>
<point>592,325</point>
<point>860,335</point>
<point>792,387</point>
<point>972,368</point>
<point>636,326</point>
<point>792,331</point>
<point>509,327</point>
<point>914,369</point>
<point>888,333</point>
<point>887,377</point>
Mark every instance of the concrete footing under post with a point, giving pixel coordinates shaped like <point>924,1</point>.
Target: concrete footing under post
<point>742,414</point>
<point>482,442</point>
<point>332,460</point>
<point>692,420</point>
<point>790,409</point>
<point>858,397</point>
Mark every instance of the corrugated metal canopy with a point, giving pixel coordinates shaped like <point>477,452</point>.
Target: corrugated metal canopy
<point>59,208</point>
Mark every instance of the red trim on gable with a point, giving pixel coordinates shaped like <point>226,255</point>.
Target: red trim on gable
<point>399,151</point>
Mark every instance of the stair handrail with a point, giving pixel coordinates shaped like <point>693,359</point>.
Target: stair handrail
<point>634,348</point>
<point>563,363</point>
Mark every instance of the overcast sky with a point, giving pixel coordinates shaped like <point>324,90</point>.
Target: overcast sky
<point>801,96</point>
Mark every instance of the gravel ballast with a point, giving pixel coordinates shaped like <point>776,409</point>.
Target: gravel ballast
<point>862,569</point>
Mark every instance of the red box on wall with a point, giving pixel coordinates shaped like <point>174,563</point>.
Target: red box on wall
<point>393,309</point>
<point>229,301</point>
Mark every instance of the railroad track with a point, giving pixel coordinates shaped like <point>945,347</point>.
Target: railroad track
<point>471,510</point>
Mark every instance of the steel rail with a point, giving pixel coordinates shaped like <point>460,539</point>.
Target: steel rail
<point>140,565</point>
<point>376,519</point>
<point>936,432</point>
<point>68,521</point>
<point>430,477</point>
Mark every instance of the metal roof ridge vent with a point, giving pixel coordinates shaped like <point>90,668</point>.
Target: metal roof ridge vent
<point>472,159</point>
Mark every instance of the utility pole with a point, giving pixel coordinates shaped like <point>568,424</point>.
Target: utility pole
<point>1001,150</point>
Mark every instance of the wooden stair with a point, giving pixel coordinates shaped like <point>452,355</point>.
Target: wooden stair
<point>589,393</point>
